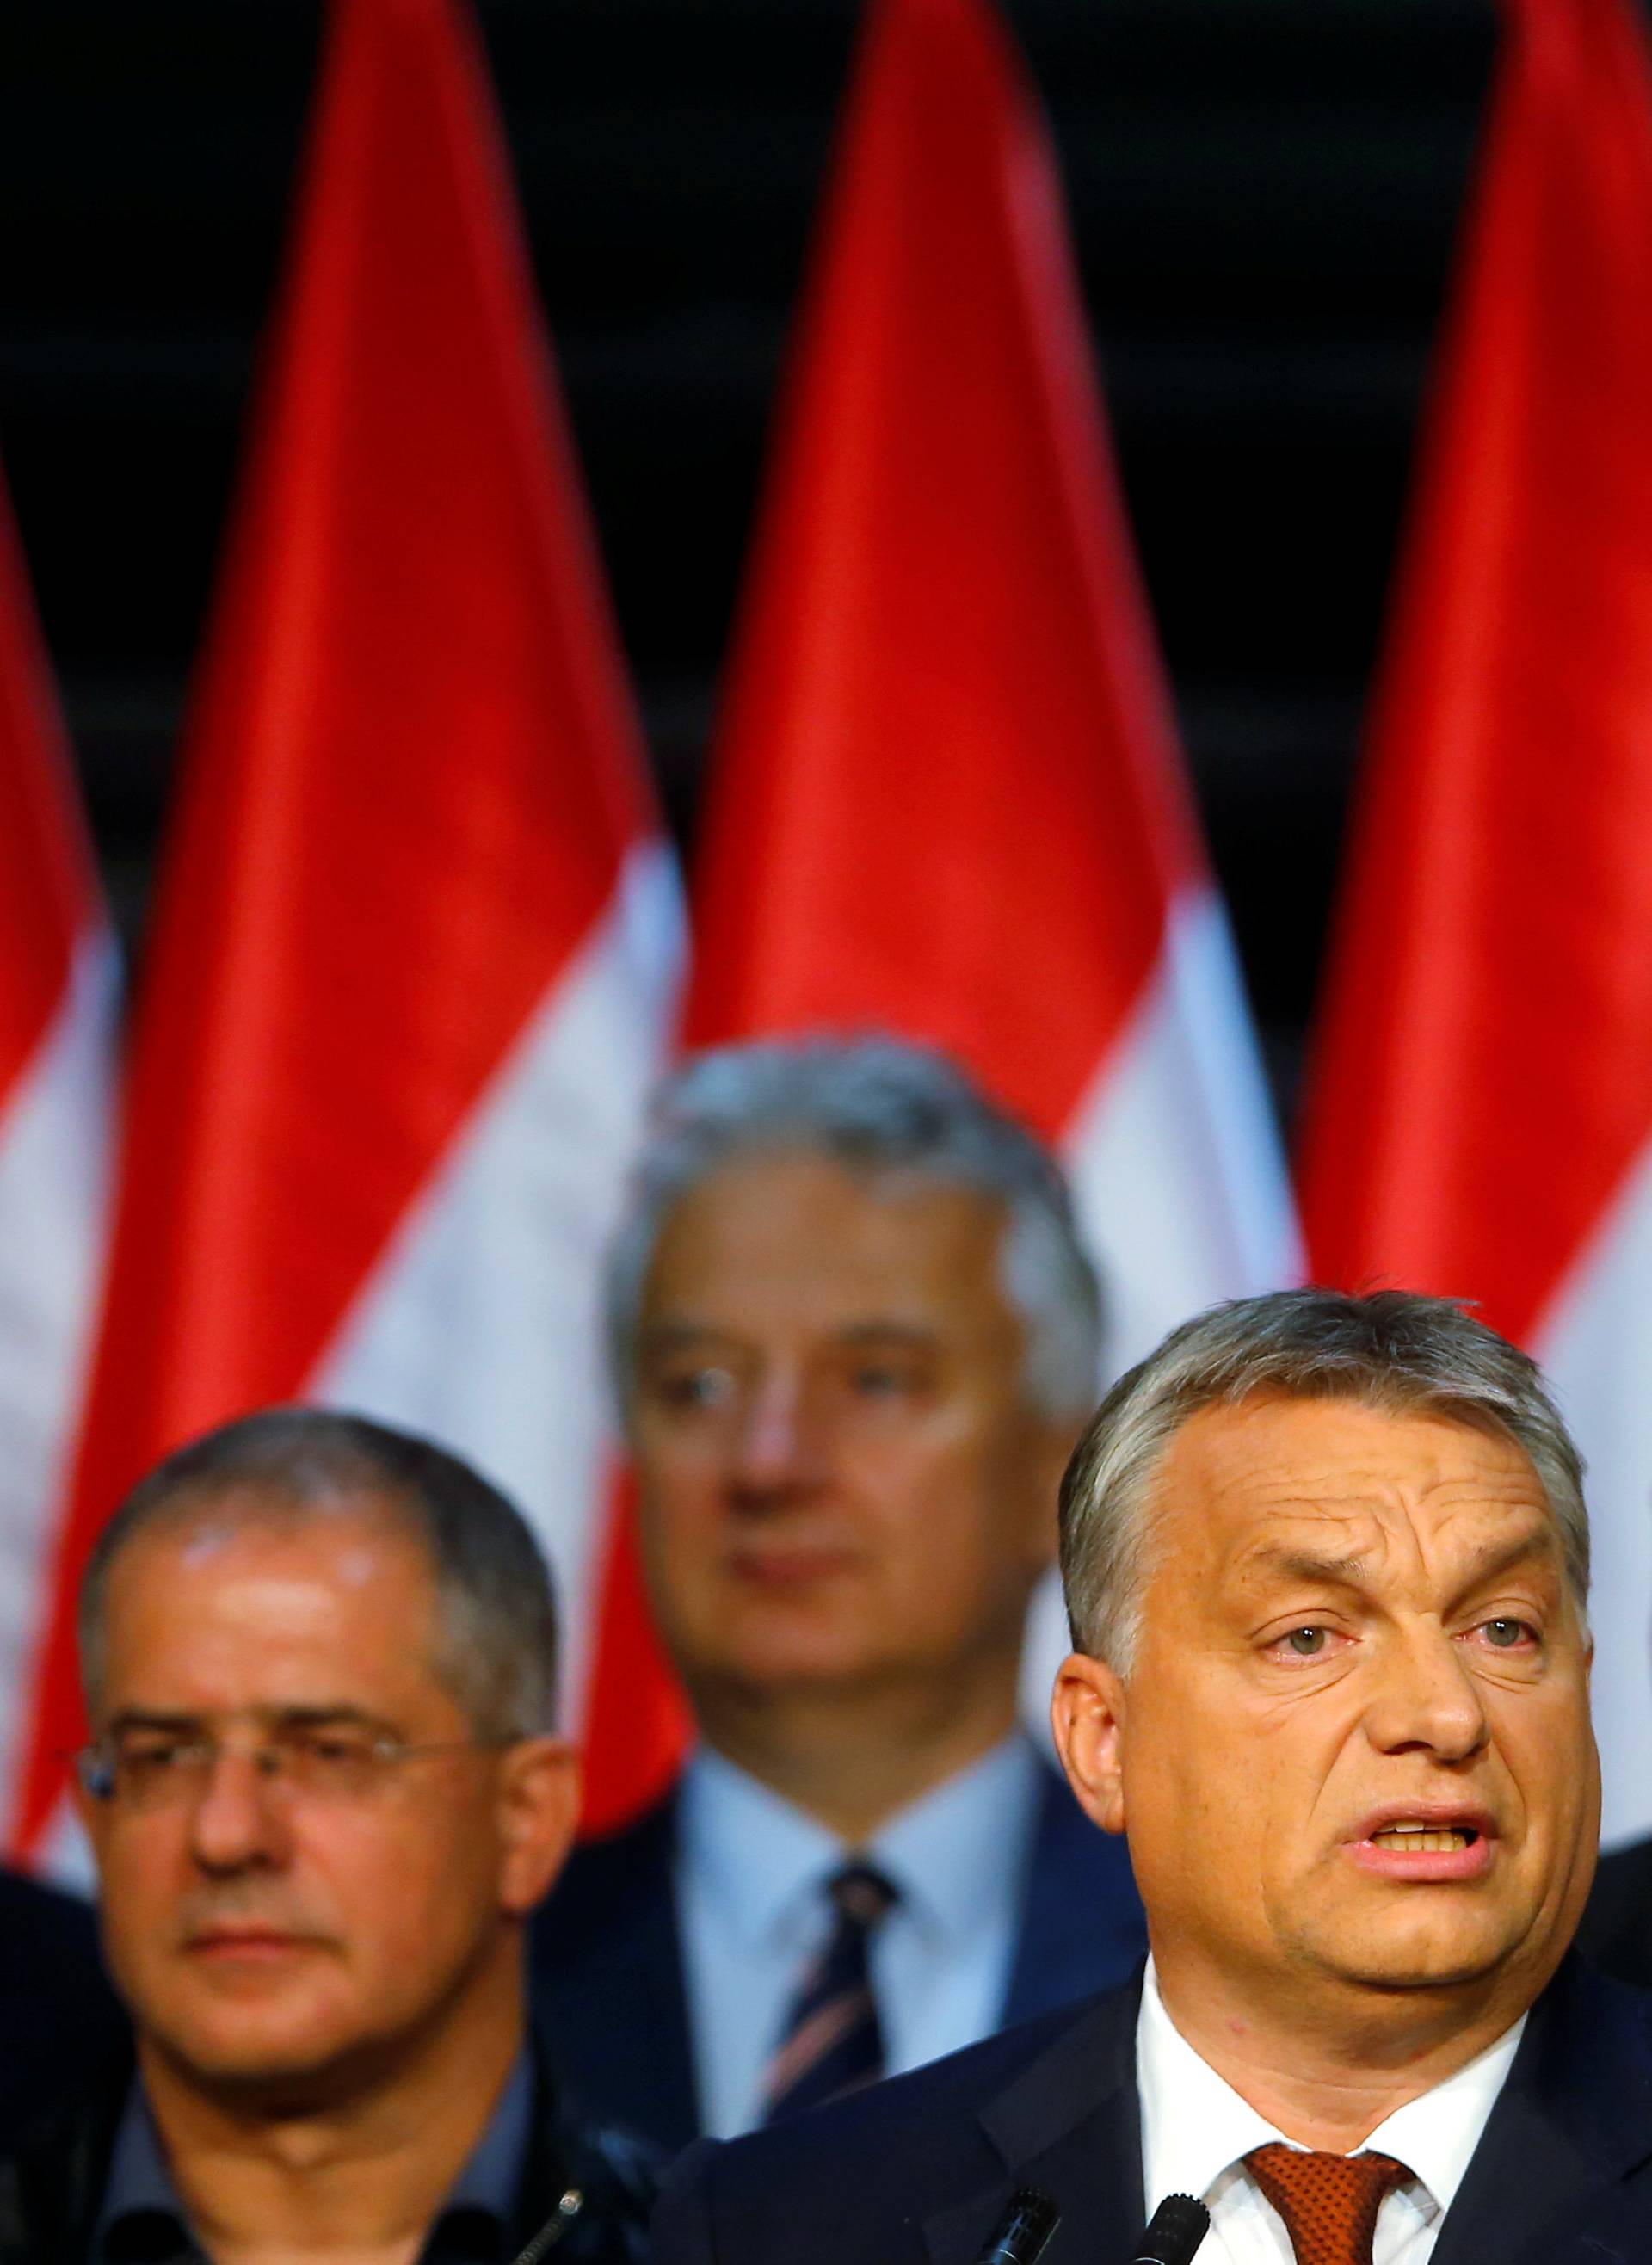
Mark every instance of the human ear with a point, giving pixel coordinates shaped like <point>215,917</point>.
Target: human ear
<point>1086,1713</point>
<point>538,1796</point>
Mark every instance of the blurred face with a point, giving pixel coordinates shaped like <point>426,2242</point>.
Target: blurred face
<point>282,1926</point>
<point>1353,1750</point>
<point>841,1482</point>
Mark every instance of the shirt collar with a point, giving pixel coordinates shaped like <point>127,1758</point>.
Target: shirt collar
<point>493,2172</point>
<point>139,2185</point>
<point>1195,2126</point>
<point>956,1853</point>
<point>1436,2134</point>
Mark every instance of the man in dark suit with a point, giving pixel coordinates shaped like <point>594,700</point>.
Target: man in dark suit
<point>324,1795</point>
<point>1326,1558</point>
<point>855,1337</point>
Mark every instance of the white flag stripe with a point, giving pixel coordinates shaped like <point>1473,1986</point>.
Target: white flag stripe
<point>54,1169</point>
<point>1596,1345</point>
<point>1174,1155</point>
<point>481,1325</point>
<point>1180,1186</point>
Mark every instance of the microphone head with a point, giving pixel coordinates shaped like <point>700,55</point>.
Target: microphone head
<point>1022,2232</point>
<point>1174,2232</point>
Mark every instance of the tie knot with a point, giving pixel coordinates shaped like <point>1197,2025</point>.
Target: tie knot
<point>1328,2203</point>
<point>861,1895</point>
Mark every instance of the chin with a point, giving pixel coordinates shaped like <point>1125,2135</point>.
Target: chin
<point>797,1660</point>
<point>1424,1958</point>
<point>247,2055</point>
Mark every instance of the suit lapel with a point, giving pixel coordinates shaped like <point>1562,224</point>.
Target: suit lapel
<point>1547,2183</point>
<point>1071,2126</point>
<point>609,1974</point>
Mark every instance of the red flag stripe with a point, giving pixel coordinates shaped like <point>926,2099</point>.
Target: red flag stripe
<point>1483,1080</point>
<point>947,798</point>
<point>411,774</point>
<point>47,893</point>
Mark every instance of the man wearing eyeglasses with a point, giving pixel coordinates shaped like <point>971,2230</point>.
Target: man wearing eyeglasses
<point>324,1796</point>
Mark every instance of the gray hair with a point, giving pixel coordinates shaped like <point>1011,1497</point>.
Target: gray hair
<point>497,1615</point>
<point>1391,1350</point>
<point>874,1105</point>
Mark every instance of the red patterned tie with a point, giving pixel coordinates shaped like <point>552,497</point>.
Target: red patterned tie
<point>1328,2203</point>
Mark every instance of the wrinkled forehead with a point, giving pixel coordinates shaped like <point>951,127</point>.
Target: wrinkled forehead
<point>1341,1483</point>
<point>807,1229</point>
<point>344,1579</point>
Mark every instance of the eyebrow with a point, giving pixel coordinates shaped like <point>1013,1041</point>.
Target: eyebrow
<point>1491,1559</point>
<point>918,1334</point>
<point>309,1717</point>
<point>671,1336</point>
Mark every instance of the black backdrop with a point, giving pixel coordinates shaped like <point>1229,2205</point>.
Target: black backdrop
<point>1264,192</point>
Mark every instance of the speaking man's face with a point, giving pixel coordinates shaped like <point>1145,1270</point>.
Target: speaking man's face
<point>1353,1749</point>
<point>283,1910</point>
<point>841,1479</point>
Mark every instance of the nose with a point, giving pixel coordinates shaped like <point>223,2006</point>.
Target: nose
<point>239,1820</point>
<point>1428,1700</point>
<point>777,1451</point>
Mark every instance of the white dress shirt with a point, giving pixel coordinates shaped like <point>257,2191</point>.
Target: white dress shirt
<point>752,1896</point>
<point>1196,2130</point>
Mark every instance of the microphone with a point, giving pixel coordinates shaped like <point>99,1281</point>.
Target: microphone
<point>1020,2236</point>
<point>552,2233</point>
<point>1174,2232</point>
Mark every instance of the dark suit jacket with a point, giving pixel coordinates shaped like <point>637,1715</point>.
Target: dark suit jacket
<point>608,1970</point>
<point>52,2180</point>
<point>918,2171</point>
<point>58,2015</point>
<point>1617,1929</point>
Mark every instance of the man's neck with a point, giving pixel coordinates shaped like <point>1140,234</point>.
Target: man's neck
<point>852,1759</point>
<point>1327,2073</point>
<point>355,2180</point>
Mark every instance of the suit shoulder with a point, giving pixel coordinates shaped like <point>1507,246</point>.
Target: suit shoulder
<point>1616,1932</point>
<point>43,1917</point>
<point>608,1871</point>
<point>899,2151</point>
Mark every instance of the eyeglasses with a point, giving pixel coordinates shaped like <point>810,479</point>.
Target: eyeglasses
<point>145,1770</point>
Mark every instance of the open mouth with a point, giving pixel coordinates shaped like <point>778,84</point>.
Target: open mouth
<point>1425,1839</point>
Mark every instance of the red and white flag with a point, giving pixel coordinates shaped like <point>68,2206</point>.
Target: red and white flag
<point>58,984</point>
<point>1480,1115</point>
<point>948,799</point>
<point>414,952</point>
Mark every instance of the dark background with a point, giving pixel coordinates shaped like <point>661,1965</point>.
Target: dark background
<point>1263,192</point>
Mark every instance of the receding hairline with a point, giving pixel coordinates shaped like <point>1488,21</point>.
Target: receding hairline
<point>893,1180</point>
<point>237,1504</point>
<point>901,1183</point>
<point>893,1115</point>
<point>1395,1398</point>
<point>250,1503</point>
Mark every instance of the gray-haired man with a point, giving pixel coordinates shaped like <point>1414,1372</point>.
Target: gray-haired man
<point>854,1336</point>
<point>1327,1564</point>
<point>324,1792</point>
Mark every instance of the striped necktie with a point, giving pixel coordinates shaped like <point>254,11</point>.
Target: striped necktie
<point>833,2041</point>
<point>1328,2203</point>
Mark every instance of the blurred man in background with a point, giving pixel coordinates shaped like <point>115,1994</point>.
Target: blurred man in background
<point>323,1797</point>
<point>855,1337</point>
